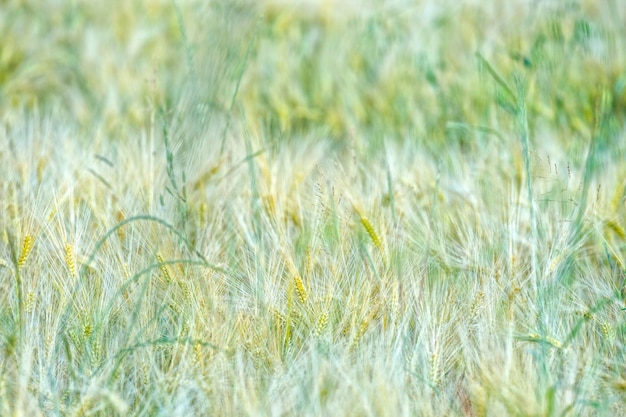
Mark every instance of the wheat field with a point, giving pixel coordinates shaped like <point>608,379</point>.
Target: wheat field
<point>313,208</point>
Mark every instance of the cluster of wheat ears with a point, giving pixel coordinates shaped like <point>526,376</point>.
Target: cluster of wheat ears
<point>281,250</point>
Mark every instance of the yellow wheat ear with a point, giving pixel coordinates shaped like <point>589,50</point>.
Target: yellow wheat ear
<point>321,324</point>
<point>27,245</point>
<point>297,279</point>
<point>69,260</point>
<point>369,228</point>
<point>300,289</point>
<point>166,273</point>
<point>120,217</point>
<point>371,231</point>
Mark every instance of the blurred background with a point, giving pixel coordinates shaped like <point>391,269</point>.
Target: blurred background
<point>399,70</point>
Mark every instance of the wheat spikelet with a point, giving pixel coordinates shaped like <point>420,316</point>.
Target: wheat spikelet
<point>201,182</point>
<point>554,342</point>
<point>278,317</point>
<point>360,332</point>
<point>608,331</point>
<point>554,264</point>
<point>202,215</point>
<point>434,369</point>
<point>197,352</point>
<point>367,225</point>
<point>69,260</point>
<point>297,279</point>
<point>48,341</point>
<point>321,324</point>
<point>125,270</point>
<point>476,305</point>
<point>87,329</point>
<point>186,290</point>
<point>176,308</point>
<point>96,354</point>
<point>85,407</point>
<point>616,228</point>
<point>27,245</point>
<point>30,298</point>
<point>75,338</point>
<point>534,337</point>
<point>395,305</point>
<point>300,290</point>
<point>121,233</point>
<point>164,271</point>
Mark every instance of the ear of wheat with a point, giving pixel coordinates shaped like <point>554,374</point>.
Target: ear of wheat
<point>69,260</point>
<point>27,246</point>
<point>369,228</point>
<point>300,290</point>
<point>322,322</point>
<point>164,271</point>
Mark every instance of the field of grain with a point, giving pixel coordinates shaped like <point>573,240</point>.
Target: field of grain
<point>313,208</point>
